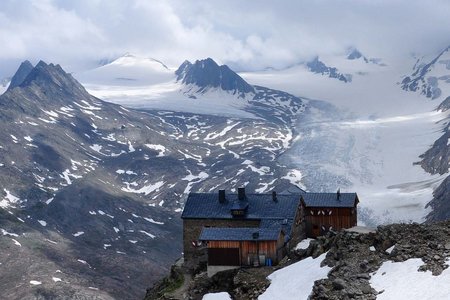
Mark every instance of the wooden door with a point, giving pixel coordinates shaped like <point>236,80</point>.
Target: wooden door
<point>315,231</point>
<point>223,257</point>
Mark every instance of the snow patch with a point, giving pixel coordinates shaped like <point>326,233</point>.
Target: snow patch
<point>389,250</point>
<point>295,178</point>
<point>153,221</point>
<point>159,148</point>
<point>147,234</point>
<point>295,281</point>
<point>217,296</point>
<point>304,244</point>
<point>147,189</point>
<point>16,242</point>
<point>4,232</point>
<point>9,200</point>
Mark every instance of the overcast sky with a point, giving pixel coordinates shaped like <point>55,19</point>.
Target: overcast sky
<point>248,35</point>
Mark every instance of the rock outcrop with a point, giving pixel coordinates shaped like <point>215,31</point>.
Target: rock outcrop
<point>354,257</point>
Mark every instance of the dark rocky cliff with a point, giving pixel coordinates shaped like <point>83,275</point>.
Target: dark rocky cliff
<point>24,69</point>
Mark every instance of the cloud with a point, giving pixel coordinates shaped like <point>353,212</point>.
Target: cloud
<point>38,29</point>
<point>245,34</point>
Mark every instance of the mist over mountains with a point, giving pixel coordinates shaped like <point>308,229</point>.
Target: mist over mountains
<point>93,189</point>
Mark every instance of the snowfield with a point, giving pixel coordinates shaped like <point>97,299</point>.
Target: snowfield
<point>403,281</point>
<point>171,96</point>
<point>367,139</point>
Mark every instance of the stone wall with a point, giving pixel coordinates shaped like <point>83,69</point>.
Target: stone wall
<point>298,229</point>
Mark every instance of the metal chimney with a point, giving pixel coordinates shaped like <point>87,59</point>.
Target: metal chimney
<point>241,193</point>
<point>274,196</point>
<point>221,196</point>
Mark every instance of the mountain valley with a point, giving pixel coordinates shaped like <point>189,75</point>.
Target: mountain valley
<point>92,191</point>
<point>93,180</point>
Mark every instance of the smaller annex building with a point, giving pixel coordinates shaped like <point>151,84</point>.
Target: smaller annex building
<point>243,246</point>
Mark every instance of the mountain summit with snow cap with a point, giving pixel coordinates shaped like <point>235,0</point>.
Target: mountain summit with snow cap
<point>208,74</point>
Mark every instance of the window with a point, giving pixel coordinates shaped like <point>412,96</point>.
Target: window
<point>238,212</point>
<point>196,244</point>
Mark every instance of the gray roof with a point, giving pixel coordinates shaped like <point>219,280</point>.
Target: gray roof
<point>284,224</point>
<point>329,199</point>
<point>239,234</point>
<point>260,206</point>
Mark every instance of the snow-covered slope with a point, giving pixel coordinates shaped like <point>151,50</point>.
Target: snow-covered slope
<point>128,70</point>
<point>430,75</point>
<point>404,281</point>
<point>202,87</point>
<point>366,137</point>
<point>292,282</point>
<point>148,84</point>
<point>111,181</point>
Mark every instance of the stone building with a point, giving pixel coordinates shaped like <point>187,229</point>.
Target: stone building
<point>232,230</point>
<point>253,216</point>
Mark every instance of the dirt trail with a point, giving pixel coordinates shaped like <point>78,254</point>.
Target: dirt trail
<point>181,292</point>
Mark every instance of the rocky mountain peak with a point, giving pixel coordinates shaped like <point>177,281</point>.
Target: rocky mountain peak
<point>50,77</point>
<point>24,69</point>
<point>424,80</point>
<point>356,54</point>
<point>319,67</point>
<point>207,74</point>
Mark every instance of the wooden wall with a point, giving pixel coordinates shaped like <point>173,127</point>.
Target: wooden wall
<point>191,232</point>
<point>319,220</point>
<point>249,250</point>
